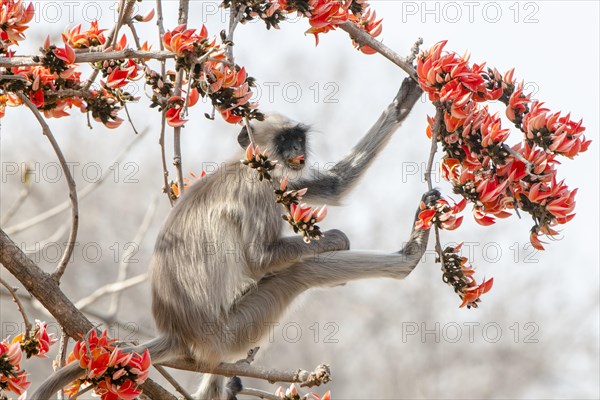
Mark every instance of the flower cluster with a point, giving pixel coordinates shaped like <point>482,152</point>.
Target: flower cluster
<point>55,86</point>
<point>478,162</point>
<point>440,214</point>
<point>14,17</point>
<point>211,75</point>
<point>323,15</point>
<point>113,373</point>
<point>302,218</point>
<point>93,36</point>
<point>38,342</point>
<point>459,275</point>
<point>12,377</point>
<point>259,161</point>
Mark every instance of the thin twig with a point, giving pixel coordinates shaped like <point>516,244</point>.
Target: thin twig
<point>414,51</point>
<point>161,141</point>
<point>61,358</point>
<point>161,34</point>
<point>129,118</point>
<point>177,162</point>
<point>12,210</point>
<point>235,16</point>
<point>173,382</point>
<point>82,391</point>
<point>261,394</point>
<point>111,288</point>
<point>62,264</point>
<point>11,230</point>
<point>137,240</point>
<point>439,118</point>
<point>364,39</point>
<point>15,297</point>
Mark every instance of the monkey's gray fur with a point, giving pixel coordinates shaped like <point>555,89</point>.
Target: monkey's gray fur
<point>220,266</point>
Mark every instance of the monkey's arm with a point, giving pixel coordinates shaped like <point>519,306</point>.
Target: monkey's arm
<point>274,257</point>
<point>330,186</point>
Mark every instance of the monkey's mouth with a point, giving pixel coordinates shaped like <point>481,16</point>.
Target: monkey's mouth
<point>296,162</point>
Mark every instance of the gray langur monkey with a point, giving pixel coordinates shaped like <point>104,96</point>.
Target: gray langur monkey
<point>204,300</point>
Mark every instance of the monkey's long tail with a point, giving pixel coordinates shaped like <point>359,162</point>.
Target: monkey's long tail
<point>160,348</point>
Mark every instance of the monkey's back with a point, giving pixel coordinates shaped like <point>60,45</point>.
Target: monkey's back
<point>200,261</point>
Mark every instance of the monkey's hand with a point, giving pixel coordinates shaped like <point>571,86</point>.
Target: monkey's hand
<point>332,240</point>
<point>407,96</point>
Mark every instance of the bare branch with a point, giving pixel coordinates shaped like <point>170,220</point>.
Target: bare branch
<point>363,38</point>
<point>111,288</point>
<point>261,394</point>
<point>183,17</point>
<point>319,376</point>
<point>91,57</point>
<point>12,210</point>
<point>137,240</point>
<point>62,264</point>
<point>173,382</point>
<point>439,118</point>
<point>11,230</point>
<point>15,297</point>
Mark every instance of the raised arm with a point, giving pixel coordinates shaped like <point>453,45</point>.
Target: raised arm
<point>331,186</point>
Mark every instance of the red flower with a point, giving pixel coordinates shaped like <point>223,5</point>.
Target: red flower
<point>65,53</point>
<point>441,214</point>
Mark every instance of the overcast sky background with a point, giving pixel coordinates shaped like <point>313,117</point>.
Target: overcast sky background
<point>536,333</point>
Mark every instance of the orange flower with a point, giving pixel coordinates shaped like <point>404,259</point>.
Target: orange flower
<point>14,16</point>
<point>83,40</point>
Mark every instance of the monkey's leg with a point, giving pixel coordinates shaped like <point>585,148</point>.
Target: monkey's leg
<point>274,257</point>
<point>254,314</point>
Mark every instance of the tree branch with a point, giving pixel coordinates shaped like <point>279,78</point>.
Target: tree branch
<point>183,16</point>
<point>11,230</point>
<point>62,264</point>
<point>15,297</point>
<point>114,287</point>
<point>173,382</point>
<point>46,291</point>
<point>363,38</point>
<point>319,376</point>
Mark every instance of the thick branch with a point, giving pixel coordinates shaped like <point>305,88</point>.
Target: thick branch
<point>45,289</point>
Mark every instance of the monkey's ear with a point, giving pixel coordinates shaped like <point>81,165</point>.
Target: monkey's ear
<point>243,138</point>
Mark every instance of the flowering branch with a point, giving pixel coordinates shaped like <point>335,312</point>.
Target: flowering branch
<point>62,265</point>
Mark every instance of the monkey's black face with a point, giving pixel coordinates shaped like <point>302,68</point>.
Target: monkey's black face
<point>290,147</point>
